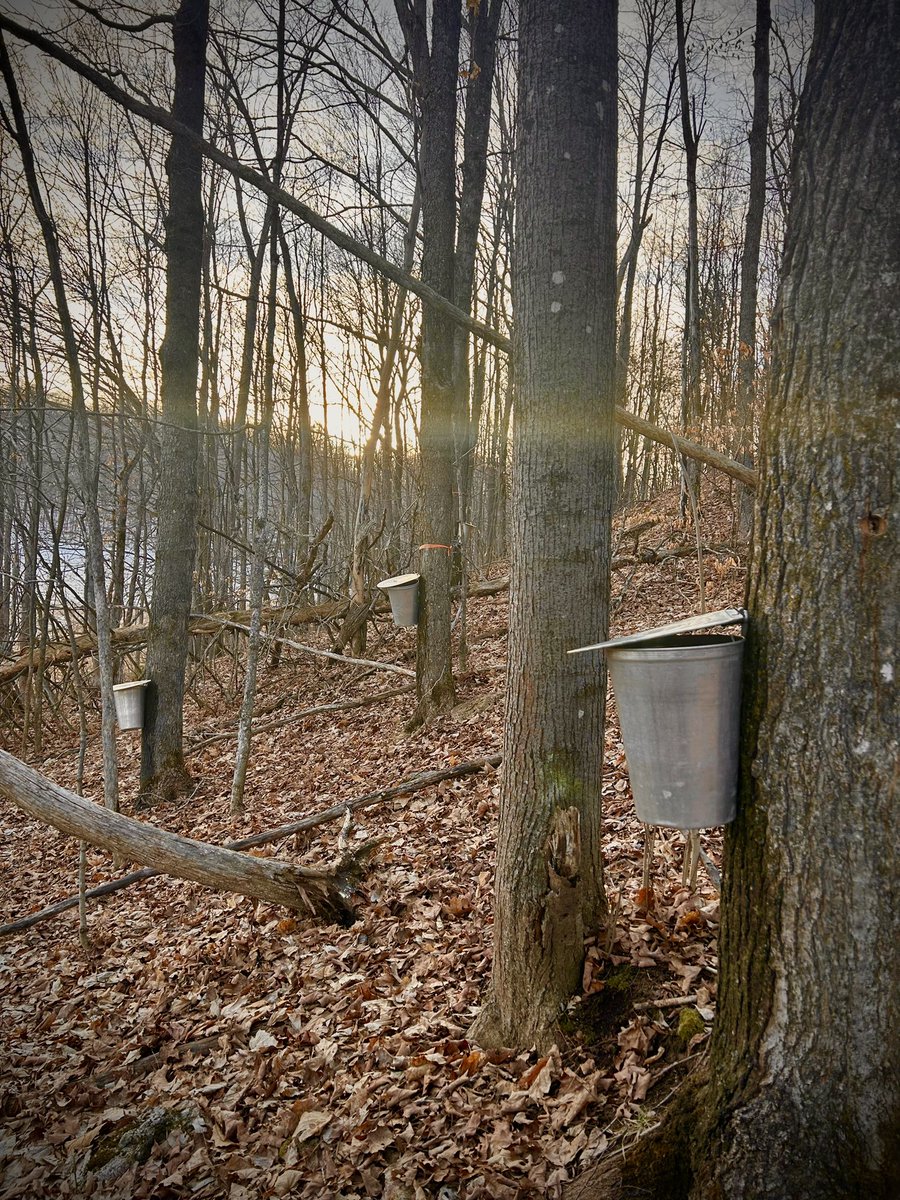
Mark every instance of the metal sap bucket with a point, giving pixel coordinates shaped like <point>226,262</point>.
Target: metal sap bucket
<point>679,702</point>
<point>129,698</point>
<point>403,593</point>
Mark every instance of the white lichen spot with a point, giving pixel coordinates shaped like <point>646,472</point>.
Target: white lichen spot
<point>567,157</point>
<point>588,329</point>
<point>666,795</point>
<point>558,278</point>
<point>887,672</point>
<point>862,748</point>
<point>580,713</point>
<point>555,306</point>
<point>558,28</point>
<point>828,506</point>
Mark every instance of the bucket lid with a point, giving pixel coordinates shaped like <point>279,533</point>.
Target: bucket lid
<point>398,581</point>
<point>118,687</point>
<point>722,616</point>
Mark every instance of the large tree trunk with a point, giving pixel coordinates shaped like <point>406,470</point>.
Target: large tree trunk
<point>809,999</point>
<point>163,773</point>
<point>549,885</point>
<point>804,1098</point>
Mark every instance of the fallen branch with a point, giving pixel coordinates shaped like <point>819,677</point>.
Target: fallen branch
<point>153,1061</point>
<point>652,557</point>
<point>413,784</point>
<point>705,454</point>
<point>323,894</point>
<point>342,658</point>
<point>338,706</point>
<point>493,587</point>
<point>669,1002</point>
<point>131,636</point>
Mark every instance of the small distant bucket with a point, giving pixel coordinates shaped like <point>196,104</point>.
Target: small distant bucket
<point>403,593</point>
<point>679,702</point>
<point>129,699</point>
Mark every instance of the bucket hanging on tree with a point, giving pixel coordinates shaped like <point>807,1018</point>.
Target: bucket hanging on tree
<point>403,593</point>
<point>129,698</point>
<point>679,704</point>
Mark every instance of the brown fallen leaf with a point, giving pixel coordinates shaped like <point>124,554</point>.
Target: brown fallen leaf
<point>311,1123</point>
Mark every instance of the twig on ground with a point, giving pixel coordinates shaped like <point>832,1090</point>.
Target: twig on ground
<point>668,1002</point>
<point>339,706</point>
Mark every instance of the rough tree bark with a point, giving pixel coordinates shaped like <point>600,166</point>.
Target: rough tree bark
<point>163,771</point>
<point>804,1092</point>
<point>549,885</point>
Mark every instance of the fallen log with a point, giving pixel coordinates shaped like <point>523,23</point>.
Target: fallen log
<point>705,454</point>
<point>132,636</point>
<point>413,784</point>
<point>324,894</point>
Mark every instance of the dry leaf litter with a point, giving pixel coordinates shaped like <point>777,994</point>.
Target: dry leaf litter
<point>207,1046</point>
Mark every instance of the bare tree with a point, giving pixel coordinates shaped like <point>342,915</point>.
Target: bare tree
<point>691,402</point>
<point>163,771</point>
<point>435,62</point>
<point>85,459</point>
<point>549,884</point>
<point>747,347</point>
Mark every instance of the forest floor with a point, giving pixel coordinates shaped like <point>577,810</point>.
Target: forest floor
<point>243,1052</point>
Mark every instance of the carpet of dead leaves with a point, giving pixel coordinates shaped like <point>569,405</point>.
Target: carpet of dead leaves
<point>274,1056</point>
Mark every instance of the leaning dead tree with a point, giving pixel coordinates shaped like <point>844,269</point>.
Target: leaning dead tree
<point>323,894</point>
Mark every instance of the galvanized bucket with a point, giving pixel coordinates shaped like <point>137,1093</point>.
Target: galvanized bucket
<point>129,698</point>
<point>403,593</point>
<point>679,702</point>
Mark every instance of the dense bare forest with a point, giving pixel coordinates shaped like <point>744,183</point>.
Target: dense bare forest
<point>309,358</point>
<point>534,305</point>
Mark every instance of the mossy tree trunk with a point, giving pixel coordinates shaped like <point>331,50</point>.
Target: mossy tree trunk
<point>549,885</point>
<point>803,1098</point>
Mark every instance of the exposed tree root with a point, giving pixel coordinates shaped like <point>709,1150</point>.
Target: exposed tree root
<point>657,1164</point>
